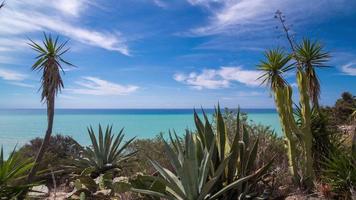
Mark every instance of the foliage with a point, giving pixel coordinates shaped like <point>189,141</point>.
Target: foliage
<point>49,61</point>
<point>277,63</point>
<point>12,174</point>
<point>340,172</point>
<point>306,56</point>
<point>107,152</point>
<point>61,151</point>
<point>207,166</point>
<point>147,148</point>
<point>311,55</point>
<point>242,150</point>
<point>341,113</point>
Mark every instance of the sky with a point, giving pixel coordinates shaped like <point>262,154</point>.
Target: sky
<point>169,53</point>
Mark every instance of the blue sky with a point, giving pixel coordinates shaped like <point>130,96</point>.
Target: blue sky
<point>169,53</point>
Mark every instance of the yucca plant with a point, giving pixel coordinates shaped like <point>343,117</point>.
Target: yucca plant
<point>50,61</point>
<point>241,151</point>
<point>108,151</point>
<point>311,55</point>
<point>13,173</point>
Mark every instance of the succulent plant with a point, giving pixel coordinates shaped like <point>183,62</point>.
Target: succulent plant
<point>106,152</point>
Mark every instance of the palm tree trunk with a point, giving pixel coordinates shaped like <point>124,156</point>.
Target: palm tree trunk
<point>46,140</point>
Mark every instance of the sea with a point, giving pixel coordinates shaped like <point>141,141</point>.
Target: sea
<point>19,126</point>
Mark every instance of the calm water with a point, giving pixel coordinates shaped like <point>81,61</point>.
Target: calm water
<point>20,126</point>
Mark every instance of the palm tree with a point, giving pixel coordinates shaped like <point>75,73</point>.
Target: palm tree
<point>49,61</point>
<point>310,55</point>
<point>276,64</point>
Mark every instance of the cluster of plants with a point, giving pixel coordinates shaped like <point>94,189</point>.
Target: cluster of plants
<point>226,159</point>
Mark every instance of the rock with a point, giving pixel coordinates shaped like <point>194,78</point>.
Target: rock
<point>39,191</point>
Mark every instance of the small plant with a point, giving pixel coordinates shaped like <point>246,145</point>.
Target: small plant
<point>13,173</point>
<point>106,152</point>
<point>340,172</point>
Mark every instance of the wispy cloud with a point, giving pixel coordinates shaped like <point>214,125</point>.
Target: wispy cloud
<point>246,16</point>
<point>14,78</point>
<point>96,86</point>
<point>10,75</point>
<point>349,69</point>
<point>160,3</point>
<point>21,84</point>
<point>23,17</point>
<point>220,78</point>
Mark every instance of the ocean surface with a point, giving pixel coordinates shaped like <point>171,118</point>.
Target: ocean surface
<point>18,126</point>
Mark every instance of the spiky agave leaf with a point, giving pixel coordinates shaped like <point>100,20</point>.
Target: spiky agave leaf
<point>108,151</point>
<point>12,174</point>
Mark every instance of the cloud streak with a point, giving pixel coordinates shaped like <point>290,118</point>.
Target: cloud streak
<point>95,86</point>
<point>349,69</point>
<point>220,78</point>
<point>24,17</point>
<point>10,75</point>
<point>246,16</point>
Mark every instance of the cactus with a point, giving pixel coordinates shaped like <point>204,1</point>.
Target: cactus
<point>307,136</point>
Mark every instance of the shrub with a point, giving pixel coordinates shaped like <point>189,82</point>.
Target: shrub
<point>60,152</point>
<point>147,148</point>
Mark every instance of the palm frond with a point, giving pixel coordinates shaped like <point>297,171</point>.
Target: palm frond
<point>311,55</point>
<point>275,65</point>
<point>50,62</point>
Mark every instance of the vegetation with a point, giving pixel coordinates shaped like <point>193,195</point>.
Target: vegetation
<point>13,172</point>
<point>304,58</point>
<point>229,158</point>
<point>106,153</point>
<point>49,61</point>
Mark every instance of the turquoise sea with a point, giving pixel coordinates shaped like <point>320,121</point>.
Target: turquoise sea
<point>18,126</point>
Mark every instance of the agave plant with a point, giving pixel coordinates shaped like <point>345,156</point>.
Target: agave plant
<point>207,166</point>
<point>191,179</point>
<point>13,173</point>
<point>106,152</point>
<point>242,152</point>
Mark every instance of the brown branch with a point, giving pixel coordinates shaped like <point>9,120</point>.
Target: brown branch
<point>280,17</point>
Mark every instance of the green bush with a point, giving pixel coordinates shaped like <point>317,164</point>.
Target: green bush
<point>60,153</point>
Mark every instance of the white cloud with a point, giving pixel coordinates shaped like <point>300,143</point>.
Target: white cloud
<point>349,69</point>
<point>221,78</point>
<point>96,86</point>
<point>160,3</point>
<point>24,17</point>
<point>21,84</point>
<point>247,77</point>
<point>72,7</point>
<point>10,75</point>
<point>246,16</point>
<point>14,78</point>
